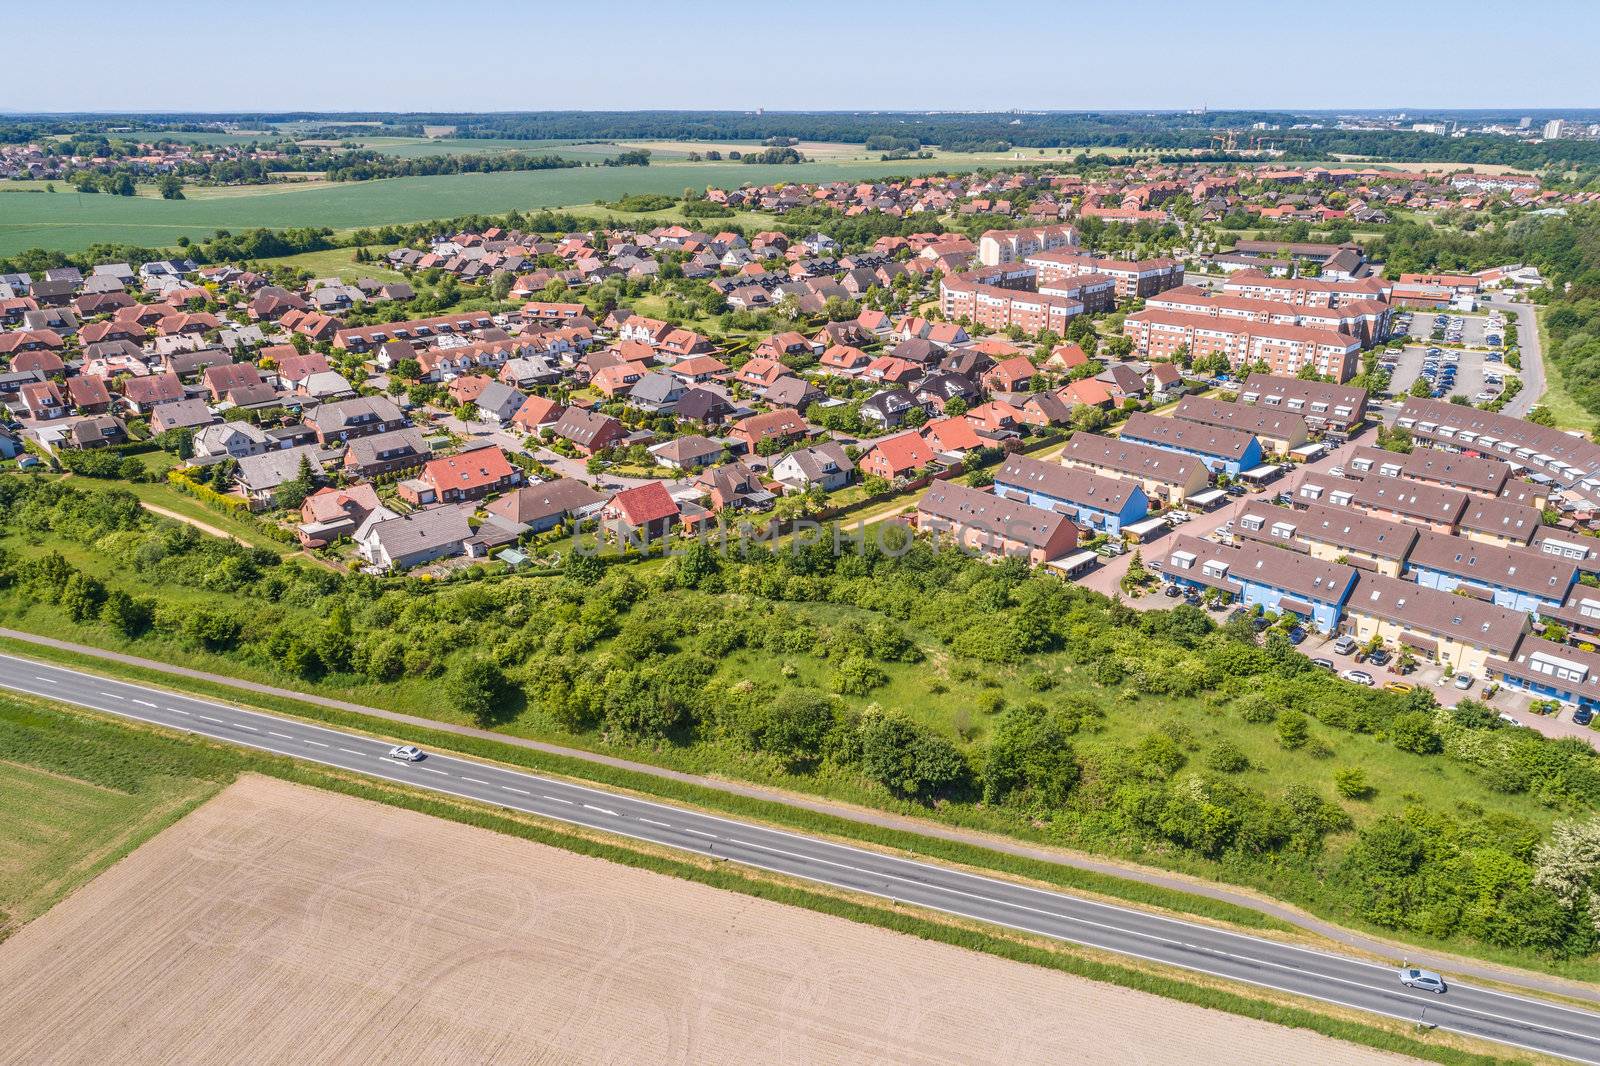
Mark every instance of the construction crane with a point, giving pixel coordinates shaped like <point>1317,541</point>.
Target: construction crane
<point>1227,141</point>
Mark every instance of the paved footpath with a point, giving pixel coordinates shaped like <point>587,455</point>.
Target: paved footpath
<point>1128,871</point>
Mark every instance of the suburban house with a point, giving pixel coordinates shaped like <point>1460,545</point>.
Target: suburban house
<point>361,416</point>
<point>1095,503</point>
<point>469,475</point>
<point>331,513</point>
<point>399,542</point>
<point>779,427</point>
<point>687,452</point>
<point>734,486</point>
<point>386,453</point>
<point>640,514</point>
<point>536,413</point>
<point>588,431</point>
<point>233,439</point>
<point>995,525</point>
<point>897,457</point>
<point>260,475</point>
<point>499,403</point>
<point>43,401</point>
<point>889,409</point>
<point>824,465</point>
<point>544,506</point>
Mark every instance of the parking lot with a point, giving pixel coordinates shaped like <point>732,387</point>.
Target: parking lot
<point>1474,373</point>
<point>1473,330</point>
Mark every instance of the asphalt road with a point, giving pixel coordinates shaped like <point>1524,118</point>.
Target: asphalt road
<point>1509,1019</point>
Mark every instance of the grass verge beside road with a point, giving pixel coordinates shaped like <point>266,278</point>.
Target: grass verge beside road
<point>765,811</point>
<point>61,743</point>
<point>1562,405</point>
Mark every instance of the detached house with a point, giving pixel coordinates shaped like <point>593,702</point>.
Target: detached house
<point>641,514</point>
<point>362,416</point>
<point>588,431</point>
<point>392,542</point>
<point>779,427</point>
<point>824,465</point>
<point>898,457</point>
<point>471,475</point>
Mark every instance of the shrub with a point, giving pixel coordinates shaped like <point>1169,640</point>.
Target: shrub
<point>1351,782</point>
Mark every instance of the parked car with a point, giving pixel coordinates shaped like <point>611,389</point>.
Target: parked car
<point>1345,645</point>
<point>1326,664</point>
<point>1297,635</point>
<point>1463,682</point>
<point>1582,716</point>
<point>1399,686</point>
<point>1426,980</point>
<point>1380,657</point>
<point>1172,592</point>
<point>1360,677</point>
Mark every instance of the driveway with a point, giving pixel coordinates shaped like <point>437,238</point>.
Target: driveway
<point>1532,355</point>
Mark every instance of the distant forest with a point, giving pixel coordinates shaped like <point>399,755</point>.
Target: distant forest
<point>951,131</point>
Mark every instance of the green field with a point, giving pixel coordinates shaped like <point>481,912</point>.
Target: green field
<point>69,817</point>
<point>68,221</point>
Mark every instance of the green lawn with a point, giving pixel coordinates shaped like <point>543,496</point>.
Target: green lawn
<point>1569,414</point>
<point>163,494</point>
<point>60,830</point>
<point>339,263</point>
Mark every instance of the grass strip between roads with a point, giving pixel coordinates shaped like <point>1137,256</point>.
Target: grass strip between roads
<point>219,761</point>
<point>767,811</point>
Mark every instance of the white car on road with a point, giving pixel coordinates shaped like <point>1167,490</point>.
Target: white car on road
<point>406,753</point>
<point>1360,677</point>
<point>1426,980</point>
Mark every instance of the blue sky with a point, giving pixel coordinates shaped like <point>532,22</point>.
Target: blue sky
<point>812,54</point>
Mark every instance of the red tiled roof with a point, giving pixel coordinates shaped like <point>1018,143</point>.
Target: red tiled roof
<point>645,503</point>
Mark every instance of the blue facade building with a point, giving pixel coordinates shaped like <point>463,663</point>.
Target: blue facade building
<point>1093,502</point>
<point>1222,450</point>
<point>1517,578</point>
<point>1276,579</point>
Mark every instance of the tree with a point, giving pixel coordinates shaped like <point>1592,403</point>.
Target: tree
<point>791,726</point>
<point>478,688</point>
<point>1030,759</point>
<point>1568,864</point>
<point>171,187</point>
<point>1413,732</point>
<point>1421,389</point>
<point>126,615</point>
<point>292,493</point>
<point>908,759</point>
<point>955,407</point>
<point>82,596</point>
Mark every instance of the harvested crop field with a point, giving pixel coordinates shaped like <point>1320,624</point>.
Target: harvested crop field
<point>280,923</point>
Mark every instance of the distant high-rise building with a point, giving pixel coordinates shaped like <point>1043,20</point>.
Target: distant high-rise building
<point>1554,129</point>
<point>1524,122</point>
